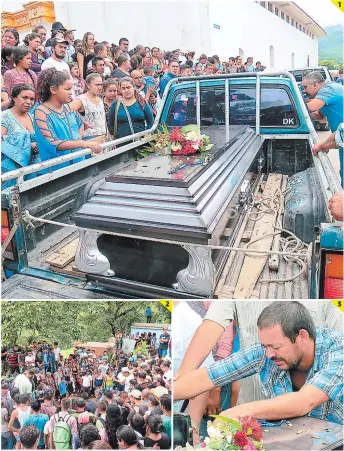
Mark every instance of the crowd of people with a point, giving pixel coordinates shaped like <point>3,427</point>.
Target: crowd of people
<point>60,95</point>
<point>90,399</point>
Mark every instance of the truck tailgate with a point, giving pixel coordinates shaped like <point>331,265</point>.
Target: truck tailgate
<point>21,286</point>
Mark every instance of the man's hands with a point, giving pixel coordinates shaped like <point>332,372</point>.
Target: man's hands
<point>213,406</point>
<point>318,148</point>
<point>336,206</point>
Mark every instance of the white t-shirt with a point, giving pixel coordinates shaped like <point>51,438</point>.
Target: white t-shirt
<point>57,352</point>
<point>168,376</point>
<point>62,66</point>
<point>30,360</point>
<point>86,381</point>
<point>183,335</point>
<point>23,384</point>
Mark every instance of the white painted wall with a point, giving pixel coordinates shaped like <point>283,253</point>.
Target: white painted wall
<point>168,25</point>
<point>189,25</point>
<point>254,29</point>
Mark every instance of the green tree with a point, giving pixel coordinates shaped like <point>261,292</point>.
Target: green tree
<point>26,321</point>
<point>330,64</point>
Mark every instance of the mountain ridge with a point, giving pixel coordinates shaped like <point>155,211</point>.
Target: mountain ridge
<point>331,45</point>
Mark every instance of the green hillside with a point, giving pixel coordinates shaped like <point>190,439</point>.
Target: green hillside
<point>331,46</point>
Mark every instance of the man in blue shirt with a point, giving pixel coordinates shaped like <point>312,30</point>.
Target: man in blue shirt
<point>173,71</point>
<point>37,419</point>
<point>300,367</point>
<point>149,314</point>
<point>46,359</point>
<point>326,100</point>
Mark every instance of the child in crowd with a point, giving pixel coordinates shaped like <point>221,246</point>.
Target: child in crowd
<point>148,78</point>
<point>78,82</point>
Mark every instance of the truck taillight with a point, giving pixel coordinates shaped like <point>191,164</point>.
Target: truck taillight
<point>5,230</point>
<point>4,218</point>
<point>334,281</point>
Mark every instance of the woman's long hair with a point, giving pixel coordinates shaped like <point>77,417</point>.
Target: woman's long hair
<point>84,48</point>
<point>155,424</point>
<point>112,423</point>
<point>139,98</point>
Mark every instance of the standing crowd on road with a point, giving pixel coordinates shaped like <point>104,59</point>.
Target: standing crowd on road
<point>89,400</point>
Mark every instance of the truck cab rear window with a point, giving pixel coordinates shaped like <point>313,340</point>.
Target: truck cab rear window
<point>183,109</point>
<point>277,108</point>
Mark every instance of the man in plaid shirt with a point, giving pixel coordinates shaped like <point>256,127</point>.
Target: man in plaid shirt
<point>300,367</point>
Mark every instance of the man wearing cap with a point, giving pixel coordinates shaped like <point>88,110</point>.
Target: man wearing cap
<point>203,59</point>
<point>127,378</point>
<point>136,402</point>
<point>59,49</point>
<point>56,26</point>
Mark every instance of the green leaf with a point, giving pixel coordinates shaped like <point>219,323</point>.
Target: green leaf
<point>249,431</point>
<point>228,420</point>
<point>190,128</point>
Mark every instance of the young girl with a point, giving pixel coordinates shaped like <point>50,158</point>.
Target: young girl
<point>109,381</point>
<point>21,74</point>
<point>58,129</point>
<point>78,87</point>
<point>110,94</point>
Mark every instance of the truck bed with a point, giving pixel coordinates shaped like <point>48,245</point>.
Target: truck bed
<point>229,277</point>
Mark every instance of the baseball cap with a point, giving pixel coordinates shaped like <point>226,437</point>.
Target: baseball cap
<point>202,56</point>
<point>183,98</point>
<point>125,370</point>
<point>58,41</point>
<point>135,394</point>
<point>159,391</point>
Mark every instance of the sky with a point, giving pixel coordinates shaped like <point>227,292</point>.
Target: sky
<point>324,12</point>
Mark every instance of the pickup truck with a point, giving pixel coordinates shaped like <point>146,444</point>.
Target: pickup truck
<point>250,220</point>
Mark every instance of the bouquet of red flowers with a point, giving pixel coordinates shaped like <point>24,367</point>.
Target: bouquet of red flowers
<point>179,141</point>
<point>227,434</point>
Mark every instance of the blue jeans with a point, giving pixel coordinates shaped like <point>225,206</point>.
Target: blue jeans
<point>46,366</point>
<point>162,353</point>
<point>7,440</point>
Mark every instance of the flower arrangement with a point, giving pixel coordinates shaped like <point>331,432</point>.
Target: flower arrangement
<point>228,434</point>
<point>180,141</point>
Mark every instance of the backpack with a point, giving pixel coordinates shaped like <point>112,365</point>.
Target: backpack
<point>62,434</point>
<point>101,420</point>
